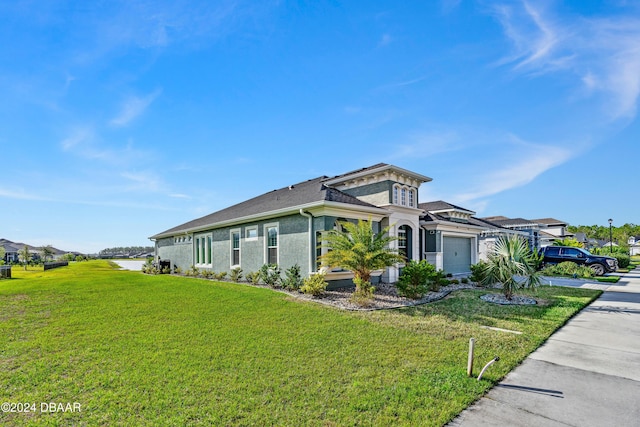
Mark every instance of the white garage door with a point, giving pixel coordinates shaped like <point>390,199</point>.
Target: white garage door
<point>456,254</point>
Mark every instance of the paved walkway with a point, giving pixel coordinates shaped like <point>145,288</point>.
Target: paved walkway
<point>586,374</point>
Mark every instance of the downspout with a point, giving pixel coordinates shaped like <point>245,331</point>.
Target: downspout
<point>310,232</point>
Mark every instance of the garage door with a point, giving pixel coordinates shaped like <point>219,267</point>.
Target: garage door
<point>456,254</point>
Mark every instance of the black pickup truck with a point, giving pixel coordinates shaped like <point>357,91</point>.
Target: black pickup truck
<point>599,264</point>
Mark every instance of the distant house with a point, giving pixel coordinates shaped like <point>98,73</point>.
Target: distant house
<point>540,232</point>
<point>455,239</point>
<point>634,245</point>
<point>12,250</point>
<point>527,228</point>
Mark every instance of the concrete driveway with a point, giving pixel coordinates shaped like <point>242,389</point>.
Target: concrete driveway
<point>586,374</point>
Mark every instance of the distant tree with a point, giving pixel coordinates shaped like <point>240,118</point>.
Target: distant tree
<point>569,241</point>
<point>2,252</point>
<point>46,252</point>
<point>24,255</point>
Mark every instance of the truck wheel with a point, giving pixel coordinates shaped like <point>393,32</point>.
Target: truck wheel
<point>598,269</point>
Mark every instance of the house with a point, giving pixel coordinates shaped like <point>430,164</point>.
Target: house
<point>634,245</point>
<point>12,250</point>
<point>453,238</point>
<point>551,230</point>
<point>285,226</point>
<point>527,228</point>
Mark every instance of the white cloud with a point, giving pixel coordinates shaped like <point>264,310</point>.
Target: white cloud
<point>385,40</point>
<point>602,52</point>
<point>145,181</point>
<point>79,136</point>
<point>20,195</point>
<point>532,160</point>
<point>133,107</point>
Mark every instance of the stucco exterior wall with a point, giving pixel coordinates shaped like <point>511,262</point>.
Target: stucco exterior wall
<point>378,193</point>
<point>180,254</point>
<point>293,246</point>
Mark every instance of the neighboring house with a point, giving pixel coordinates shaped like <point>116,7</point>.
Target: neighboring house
<point>540,232</point>
<point>527,228</point>
<point>12,250</point>
<point>285,226</point>
<point>634,245</point>
<point>454,239</point>
<point>551,230</point>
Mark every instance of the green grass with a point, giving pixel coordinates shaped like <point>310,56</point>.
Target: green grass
<point>163,350</point>
<point>608,279</point>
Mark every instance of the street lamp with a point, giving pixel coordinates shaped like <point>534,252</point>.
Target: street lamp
<point>610,237</point>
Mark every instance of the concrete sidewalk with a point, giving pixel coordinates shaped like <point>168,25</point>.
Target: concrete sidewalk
<point>586,374</point>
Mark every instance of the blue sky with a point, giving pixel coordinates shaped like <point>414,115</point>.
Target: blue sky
<point>122,119</point>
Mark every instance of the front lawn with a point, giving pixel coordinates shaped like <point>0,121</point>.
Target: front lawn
<point>161,350</point>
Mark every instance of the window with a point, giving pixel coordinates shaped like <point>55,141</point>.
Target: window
<point>209,250</point>
<point>404,196</point>
<point>235,247</point>
<point>272,244</point>
<point>552,251</point>
<point>197,251</point>
<point>405,239</point>
<point>251,233</point>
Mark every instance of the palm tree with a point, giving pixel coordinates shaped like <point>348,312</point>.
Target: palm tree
<point>358,249</point>
<point>511,257</point>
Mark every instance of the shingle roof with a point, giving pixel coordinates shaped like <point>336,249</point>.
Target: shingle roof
<point>506,222</point>
<point>301,194</point>
<point>549,221</point>
<point>440,205</point>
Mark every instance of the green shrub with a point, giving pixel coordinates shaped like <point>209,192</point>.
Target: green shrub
<point>418,278</point>
<point>479,272</point>
<point>568,268</point>
<point>253,277</point>
<point>177,270</point>
<point>207,274</point>
<point>292,279</point>
<point>221,275</point>
<point>464,280</point>
<point>624,260</point>
<point>270,275</point>
<point>314,285</point>
<point>236,274</point>
<point>166,270</point>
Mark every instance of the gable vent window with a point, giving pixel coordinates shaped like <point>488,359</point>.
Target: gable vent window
<point>404,196</point>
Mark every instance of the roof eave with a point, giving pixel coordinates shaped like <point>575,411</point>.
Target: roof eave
<point>271,214</point>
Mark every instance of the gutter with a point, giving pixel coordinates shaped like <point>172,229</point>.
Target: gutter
<point>310,232</point>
